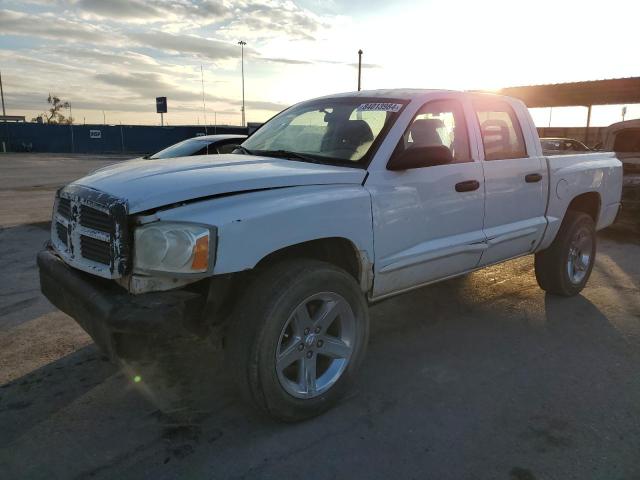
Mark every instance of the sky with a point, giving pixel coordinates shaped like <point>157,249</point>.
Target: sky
<point>116,56</point>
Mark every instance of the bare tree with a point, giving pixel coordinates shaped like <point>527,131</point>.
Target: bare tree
<point>53,114</point>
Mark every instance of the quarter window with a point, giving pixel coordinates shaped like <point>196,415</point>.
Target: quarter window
<point>501,133</point>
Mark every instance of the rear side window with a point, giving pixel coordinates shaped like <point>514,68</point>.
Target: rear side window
<point>501,133</point>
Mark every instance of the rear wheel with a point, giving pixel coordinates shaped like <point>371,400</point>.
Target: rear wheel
<point>298,337</point>
<point>565,267</point>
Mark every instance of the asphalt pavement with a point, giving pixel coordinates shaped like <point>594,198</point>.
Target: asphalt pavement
<point>480,377</point>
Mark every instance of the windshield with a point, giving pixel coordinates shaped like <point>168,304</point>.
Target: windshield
<point>332,129</point>
<point>186,148</point>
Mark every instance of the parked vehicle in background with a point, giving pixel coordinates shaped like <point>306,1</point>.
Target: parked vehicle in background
<point>557,146</point>
<point>202,145</point>
<point>275,252</point>
<point>623,138</point>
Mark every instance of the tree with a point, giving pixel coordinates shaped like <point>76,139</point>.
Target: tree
<point>53,115</point>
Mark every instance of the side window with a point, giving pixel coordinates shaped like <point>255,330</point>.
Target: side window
<point>501,133</point>
<point>439,123</point>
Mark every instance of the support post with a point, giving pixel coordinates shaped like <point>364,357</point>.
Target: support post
<point>586,133</point>
<point>359,67</point>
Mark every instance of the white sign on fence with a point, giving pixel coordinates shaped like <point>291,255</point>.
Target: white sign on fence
<point>95,133</point>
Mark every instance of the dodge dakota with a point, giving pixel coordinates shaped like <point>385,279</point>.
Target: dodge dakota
<point>276,250</point>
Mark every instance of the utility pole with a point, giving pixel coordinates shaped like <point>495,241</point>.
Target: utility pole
<point>4,113</point>
<point>359,67</point>
<point>242,43</point>
<point>104,118</point>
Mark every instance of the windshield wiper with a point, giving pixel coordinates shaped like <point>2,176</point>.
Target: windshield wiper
<point>288,154</point>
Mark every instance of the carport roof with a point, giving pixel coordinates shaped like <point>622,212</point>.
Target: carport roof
<point>597,92</point>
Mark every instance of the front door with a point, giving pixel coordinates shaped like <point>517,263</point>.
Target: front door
<point>428,221</point>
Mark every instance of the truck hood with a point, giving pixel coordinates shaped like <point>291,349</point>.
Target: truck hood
<point>148,184</point>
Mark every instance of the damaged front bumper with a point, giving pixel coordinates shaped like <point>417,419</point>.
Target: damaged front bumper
<point>123,325</point>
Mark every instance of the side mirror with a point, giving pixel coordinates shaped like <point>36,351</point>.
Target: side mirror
<point>418,157</point>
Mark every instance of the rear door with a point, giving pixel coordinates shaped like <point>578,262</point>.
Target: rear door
<point>515,181</point>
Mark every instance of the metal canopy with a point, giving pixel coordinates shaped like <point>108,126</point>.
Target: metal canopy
<point>614,91</point>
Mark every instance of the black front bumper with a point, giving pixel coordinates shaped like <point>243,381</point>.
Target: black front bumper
<point>121,324</point>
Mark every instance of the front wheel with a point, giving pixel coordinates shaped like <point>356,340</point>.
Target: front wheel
<point>564,268</point>
<point>298,337</point>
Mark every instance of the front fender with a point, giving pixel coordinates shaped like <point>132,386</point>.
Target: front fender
<point>252,225</point>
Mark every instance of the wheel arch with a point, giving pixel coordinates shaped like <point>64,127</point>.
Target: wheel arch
<point>589,203</point>
<point>338,251</point>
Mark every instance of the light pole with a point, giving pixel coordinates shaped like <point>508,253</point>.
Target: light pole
<point>359,67</point>
<point>242,43</point>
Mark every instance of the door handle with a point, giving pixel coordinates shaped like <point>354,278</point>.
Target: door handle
<point>467,186</point>
<point>533,178</point>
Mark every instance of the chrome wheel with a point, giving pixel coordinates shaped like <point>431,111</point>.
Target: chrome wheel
<point>580,255</point>
<point>315,345</point>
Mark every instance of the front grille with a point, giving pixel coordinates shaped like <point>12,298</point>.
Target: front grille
<point>95,250</point>
<point>90,231</point>
<point>95,219</point>
<point>61,231</point>
<point>64,207</point>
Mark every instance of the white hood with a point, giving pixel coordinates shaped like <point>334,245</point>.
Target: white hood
<point>147,184</point>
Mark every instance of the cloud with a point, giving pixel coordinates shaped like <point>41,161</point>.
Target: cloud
<point>149,85</point>
<point>146,85</point>
<point>289,61</point>
<point>50,26</point>
<point>199,46</point>
<point>120,9</point>
<point>200,12</point>
<point>365,65</point>
<point>268,19</point>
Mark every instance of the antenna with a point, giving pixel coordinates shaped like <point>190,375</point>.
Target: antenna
<point>204,105</point>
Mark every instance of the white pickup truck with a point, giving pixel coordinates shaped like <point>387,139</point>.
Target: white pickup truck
<point>276,250</point>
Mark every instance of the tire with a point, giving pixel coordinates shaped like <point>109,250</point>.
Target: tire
<point>565,267</point>
<point>270,322</point>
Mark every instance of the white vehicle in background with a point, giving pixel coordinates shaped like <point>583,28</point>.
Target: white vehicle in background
<point>333,204</point>
<point>200,145</point>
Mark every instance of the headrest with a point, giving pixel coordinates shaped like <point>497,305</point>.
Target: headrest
<point>424,131</point>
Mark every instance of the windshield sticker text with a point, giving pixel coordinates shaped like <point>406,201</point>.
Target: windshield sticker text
<point>379,107</point>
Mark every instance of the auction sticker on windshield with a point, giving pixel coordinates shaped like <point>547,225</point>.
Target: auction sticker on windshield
<point>379,107</point>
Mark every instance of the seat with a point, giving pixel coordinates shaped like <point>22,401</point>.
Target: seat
<point>424,132</point>
<point>349,136</point>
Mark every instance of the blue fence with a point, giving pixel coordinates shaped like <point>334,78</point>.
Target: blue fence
<point>36,137</point>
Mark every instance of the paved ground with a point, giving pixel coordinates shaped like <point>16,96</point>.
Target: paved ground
<point>482,377</point>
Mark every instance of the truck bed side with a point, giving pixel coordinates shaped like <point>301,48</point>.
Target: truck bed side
<point>591,178</point>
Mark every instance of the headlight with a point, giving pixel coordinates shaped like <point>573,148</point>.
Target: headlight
<point>174,248</point>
